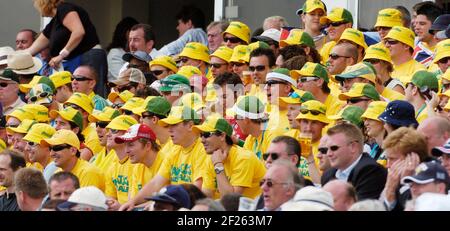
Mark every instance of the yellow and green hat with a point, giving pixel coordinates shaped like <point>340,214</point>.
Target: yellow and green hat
<point>41,94</point>
<point>313,110</point>
<point>175,82</point>
<point>39,132</point>
<point>154,104</point>
<point>23,127</point>
<point>402,34</point>
<point>124,96</point>
<point>425,80</point>
<point>351,114</point>
<point>214,123</point>
<point>179,114</point>
<point>250,107</point>
<point>378,51</point>
<point>363,70</point>
<point>165,61</point>
<point>195,50</point>
<point>355,36</point>
<point>442,50</point>
<point>298,97</point>
<point>21,114</point>
<point>63,136</point>
<point>192,100</point>
<point>38,80</point>
<point>446,93</point>
<point>132,103</point>
<point>251,47</point>
<point>122,123</point>
<point>374,110</point>
<point>239,53</point>
<point>359,90</point>
<point>389,17</point>
<point>281,74</point>
<point>140,109</point>
<point>298,37</point>
<point>239,30</point>
<point>107,114</point>
<point>311,5</point>
<point>446,75</point>
<point>223,53</point>
<point>337,14</point>
<point>189,71</point>
<point>61,78</point>
<point>311,69</point>
<point>69,114</point>
<point>40,112</point>
<point>81,100</point>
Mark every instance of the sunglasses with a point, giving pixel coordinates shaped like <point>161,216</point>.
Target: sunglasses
<point>127,112</point>
<point>380,28</point>
<point>335,56</point>
<point>3,84</point>
<point>58,148</point>
<point>42,95</point>
<point>269,183</point>
<point>373,61</point>
<point>101,124</point>
<point>12,125</point>
<point>209,134</point>
<point>80,78</point>
<point>231,39</point>
<point>217,65</point>
<point>313,112</point>
<point>238,64</point>
<point>126,87</point>
<point>32,144</point>
<point>323,150</point>
<point>157,72</point>
<point>443,60</point>
<point>307,79</point>
<point>272,82</point>
<point>336,24</point>
<point>356,100</point>
<point>117,105</point>
<point>273,155</point>
<point>391,42</point>
<point>257,68</point>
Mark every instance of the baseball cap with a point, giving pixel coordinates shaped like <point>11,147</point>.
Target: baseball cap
<point>136,132</point>
<point>428,172</point>
<point>189,71</point>
<point>239,30</point>
<point>269,35</point>
<point>107,114</point>
<point>359,90</point>
<point>374,110</point>
<point>81,100</point>
<point>38,132</point>
<point>251,47</point>
<point>281,74</point>
<point>179,114</point>
<point>313,110</point>
<point>21,114</point>
<point>378,51</point>
<point>363,70</point>
<point>298,37</point>
<point>23,127</point>
<point>173,194</point>
<point>165,61</point>
<point>175,82</point>
<point>41,94</point>
<point>223,53</point>
<point>39,112</point>
<point>130,75</point>
<point>214,123</point>
<point>311,5</point>
<point>61,78</point>
<point>124,96</point>
<point>36,80</point>
<point>337,14</point>
<point>389,17</point>
<point>298,97</point>
<point>122,123</point>
<point>440,23</point>
<point>442,50</point>
<point>311,69</point>
<point>156,105</point>
<point>69,114</point>
<point>351,114</point>
<point>355,36</point>
<point>399,113</point>
<point>89,195</point>
<point>193,100</point>
<point>250,107</point>
<point>8,74</point>
<point>402,34</point>
<point>425,80</point>
<point>23,63</point>
<point>239,52</point>
<point>4,52</point>
<point>62,136</point>
<point>440,150</point>
<point>310,198</point>
<point>140,55</point>
<point>132,103</point>
<point>443,34</point>
<point>195,50</point>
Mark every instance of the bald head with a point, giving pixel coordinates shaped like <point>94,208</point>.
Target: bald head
<point>436,130</point>
<point>344,194</point>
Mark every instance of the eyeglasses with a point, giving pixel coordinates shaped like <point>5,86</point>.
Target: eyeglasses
<point>373,61</point>
<point>209,134</point>
<point>335,56</point>
<point>157,72</point>
<point>237,64</point>
<point>336,24</point>
<point>102,124</point>
<point>307,79</point>
<point>217,65</point>
<point>443,60</point>
<point>32,144</point>
<point>257,68</point>
<point>231,39</point>
<point>356,100</point>
<point>336,147</point>
<point>42,95</point>
<point>323,150</point>
<point>273,155</point>
<point>270,183</point>
<point>127,112</point>
<point>58,148</point>
<point>3,84</point>
<point>391,42</point>
<point>272,82</point>
<point>313,112</point>
<point>80,78</point>
<point>126,87</point>
<point>117,105</point>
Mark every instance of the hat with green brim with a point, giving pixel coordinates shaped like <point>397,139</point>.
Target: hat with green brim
<point>69,114</point>
<point>174,82</point>
<point>311,5</point>
<point>425,80</point>
<point>298,37</point>
<point>193,100</point>
<point>154,104</point>
<point>106,115</point>
<point>250,107</point>
<point>214,123</point>
<point>36,95</point>
<point>180,114</point>
<point>298,97</point>
<point>351,114</point>
<point>359,90</point>
<point>311,69</point>
<point>363,70</point>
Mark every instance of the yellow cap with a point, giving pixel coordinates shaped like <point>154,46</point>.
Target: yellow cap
<point>313,110</point>
<point>61,78</point>
<point>122,123</point>
<point>138,111</point>
<point>378,51</point>
<point>196,51</point>
<point>311,5</point>
<point>374,109</point>
<point>21,114</point>
<point>25,88</point>
<point>107,114</point>
<point>298,97</point>
<point>337,14</point>
<point>442,50</point>
<point>223,53</point>
<point>179,114</point>
<point>2,145</point>
<point>132,103</point>
<point>389,17</point>
<point>359,90</point>
<point>239,30</point>
<point>63,136</point>
<point>192,100</point>
<point>189,71</point>
<point>69,114</point>
<point>81,100</point>
<point>446,75</point>
<point>213,123</point>
<point>402,34</point>
<point>40,112</point>
<point>355,36</point>
<point>447,106</point>
<point>124,96</point>
<point>251,47</point>
<point>165,61</point>
<point>23,127</point>
<point>297,37</point>
<point>39,132</point>
<point>239,52</point>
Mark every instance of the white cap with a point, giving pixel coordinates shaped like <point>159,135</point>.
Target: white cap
<point>89,195</point>
<point>310,198</point>
<point>272,34</point>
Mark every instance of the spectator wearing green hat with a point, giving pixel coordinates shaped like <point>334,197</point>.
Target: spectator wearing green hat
<point>419,91</point>
<point>310,14</point>
<point>42,94</point>
<point>63,84</point>
<point>360,94</point>
<point>349,114</point>
<point>9,97</point>
<point>173,87</point>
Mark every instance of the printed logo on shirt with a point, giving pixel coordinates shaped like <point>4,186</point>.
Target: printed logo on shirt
<point>181,174</point>
<point>121,183</point>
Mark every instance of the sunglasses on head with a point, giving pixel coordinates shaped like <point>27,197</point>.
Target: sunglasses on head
<point>336,24</point>
<point>41,95</point>
<point>217,65</point>
<point>102,124</point>
<point>313,112</point>
<point>80,78</point>
<point>335,56</point>
<point>356,100</point>
<point>58,148</point>
<point>157,72</point>
<point>391,42</point>
<point>273,155</point>
<point>231,39</point>
<point>257,68</point>
<point>209,134</point>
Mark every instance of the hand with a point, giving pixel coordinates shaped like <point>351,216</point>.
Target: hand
<point>411,161</point>
<point>393,179</point>
<point>218,156</point>
<point>127,206</point>
<point>55,62</point>
<point>113,204</point>
<point>235,139</point>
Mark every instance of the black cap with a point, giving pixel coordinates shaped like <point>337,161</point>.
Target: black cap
<point>428,172</point>
<point>440,23</point>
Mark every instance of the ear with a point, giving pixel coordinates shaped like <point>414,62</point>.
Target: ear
<point>150,45</point>
<point>294,159</point>
<point>76,130</point>
<point>92,84</point>
<point>319,82</point>
<point>307,50</point>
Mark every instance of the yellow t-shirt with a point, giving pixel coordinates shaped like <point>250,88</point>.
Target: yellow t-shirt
<point>335,88</point>
<point>421,114</point>
<point>142,174</point>
<point>255,90</point>
<point>242,169</point>
<point>91,139</point>
<point>184,165</point>
<point>392,95</point>
<point>89,175</point>
<point>118,179</point>
<point>278,118</point>
<point>333,105</point>
<point>326,50</point>
<point>104,160</point>
<point>260,144</point>
<point>35,165</point>
<point>405,71</point>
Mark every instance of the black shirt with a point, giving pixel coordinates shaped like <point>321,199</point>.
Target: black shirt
<point>8,202</point>
<point>59,35</point>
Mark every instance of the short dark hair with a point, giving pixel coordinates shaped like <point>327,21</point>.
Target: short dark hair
<point>31,182</point>
<point>62,176</point>
<point>431,11</point>
<point>119,39</point>
<point>148,31</point>
<point>264,52</point>
<point>295,63</point>
<point>194,193</point>
<point>92,69</point>
<point>406,16</point>
<point>290,51</point>
<point>191,12</point>
<point>230,201</point>
<point>223,25</point>
<point>155,146</point>
<point>292,146</point>
<point>17,159</point>
<point>147,91</point>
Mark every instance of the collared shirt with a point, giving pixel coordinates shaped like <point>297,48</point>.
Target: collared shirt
<point>191,35</point>
<point>10,108</point>
<point>343,175</point>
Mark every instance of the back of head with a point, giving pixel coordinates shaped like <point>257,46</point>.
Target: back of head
<point>310,198</point>
<point>31,182</point>
<point>275,22</point>
<point>211,204</point>
<point>191,12</point>
<point>368,205</point>
<point>407,140</point>
<point>230,201</point>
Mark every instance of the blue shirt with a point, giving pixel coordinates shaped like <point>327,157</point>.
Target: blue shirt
<point>343,175</point>
<point>191,35</point>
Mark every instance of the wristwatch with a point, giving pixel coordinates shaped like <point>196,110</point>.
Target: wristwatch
<point>219,169</point>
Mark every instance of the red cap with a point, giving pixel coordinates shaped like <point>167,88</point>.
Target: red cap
<point>135,132</point>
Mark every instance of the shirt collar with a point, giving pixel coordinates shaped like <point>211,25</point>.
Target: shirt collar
<point>344,174</point>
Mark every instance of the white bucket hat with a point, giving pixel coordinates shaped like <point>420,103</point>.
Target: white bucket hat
<point>23,63</point>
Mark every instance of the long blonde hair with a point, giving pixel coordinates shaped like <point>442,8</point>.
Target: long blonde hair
<point>46,7</point>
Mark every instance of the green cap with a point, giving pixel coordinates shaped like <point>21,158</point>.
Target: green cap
<point>174,82</point>
<point>250,107</point>
<point>363,70</point>
<point>159,105</point>
<point>69,114</point>
<point>298,37</point>
<point>359,90</point>
<point>311,69</point>
<point>298,97</point>
<point>215,123</point>
<point>337,14</point>
<point>8,74</point>
<point>425,80</point>
<point>351,114</point>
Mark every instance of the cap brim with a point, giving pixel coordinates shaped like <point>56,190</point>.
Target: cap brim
<point>299,11</point>
<point>162,198</point>
<point>416,180</point>
<point>290,100</point>
<point>36,67</point>
<point>122,139</point>
<point>32,138</point>
<point>52,142</point>
<point>348,95</point>
<point>203,128</point>
<point>320,118</point>
<point>169,121</point>
<point>439,151</point>
<point>65,206</point>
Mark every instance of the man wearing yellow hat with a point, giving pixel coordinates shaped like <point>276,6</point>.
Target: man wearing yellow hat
<point>226,161</point>
<point>220,61</point>
<point>18,143</point>
<point>63,84</point>
<point>162,67</point>
<point>65,151</point>
<point>197,55</point>
<point>360,95</point>
<point>127,108</point>
<point>442,57</point>
<point>400,42</point>
<point>237,33</point>
<point>356,38</point>
<point>239,65</point>
<point>118,175</point>
<point>386,19</point>
<point>118,99</point>
<point>185,163</point>
<point>310,14</point>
